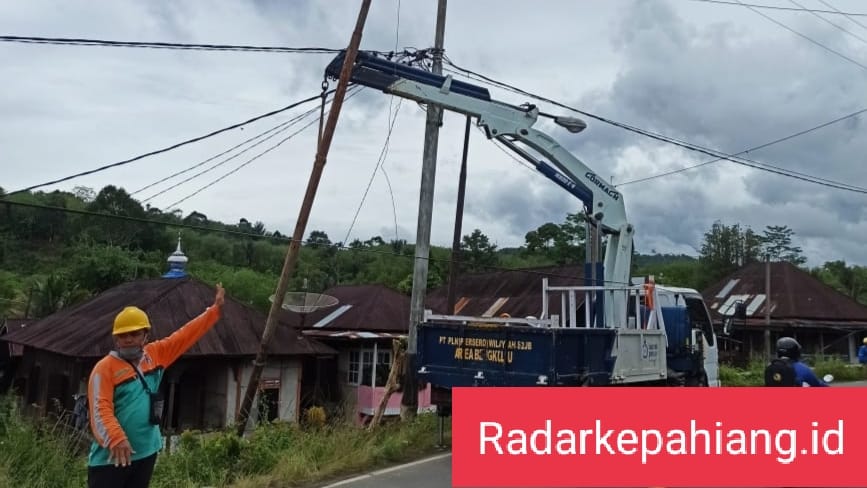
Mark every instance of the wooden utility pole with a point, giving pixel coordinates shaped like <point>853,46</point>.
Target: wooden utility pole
<point>459,217</point>
<point>409,400</point>
<point>768,355</point>
<point>300,226</point>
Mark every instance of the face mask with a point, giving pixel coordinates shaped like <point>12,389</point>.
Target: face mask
<point>130,353</point>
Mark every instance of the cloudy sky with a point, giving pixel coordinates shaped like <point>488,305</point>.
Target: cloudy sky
<point>719,76</point>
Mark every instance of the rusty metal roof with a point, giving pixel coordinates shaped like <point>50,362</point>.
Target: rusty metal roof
<point>15,350</point>
<point>353,334</point>
<point>370,308</point>
<point>795,296</point>
<point>85,330</point>
<point>515,292</point>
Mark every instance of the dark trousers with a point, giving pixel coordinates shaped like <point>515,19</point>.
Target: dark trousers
<point>136,475</point>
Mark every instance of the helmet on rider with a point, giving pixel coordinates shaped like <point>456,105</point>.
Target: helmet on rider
<point>788,347</point>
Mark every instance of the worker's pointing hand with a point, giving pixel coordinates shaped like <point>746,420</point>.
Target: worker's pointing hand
<point>220,298</point>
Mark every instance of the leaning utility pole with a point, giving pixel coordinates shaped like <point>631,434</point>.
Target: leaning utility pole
<point>409,400</point>
<point>301,224</point>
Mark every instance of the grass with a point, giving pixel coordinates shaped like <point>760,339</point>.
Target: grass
<point>753,375</point>
<point>275,455</point>
<point>35,454</point>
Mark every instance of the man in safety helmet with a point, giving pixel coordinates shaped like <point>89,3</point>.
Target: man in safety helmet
<point>124,400</point>
<point>788,369</point>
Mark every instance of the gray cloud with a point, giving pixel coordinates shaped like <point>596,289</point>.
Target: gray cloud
<point>718,76</point>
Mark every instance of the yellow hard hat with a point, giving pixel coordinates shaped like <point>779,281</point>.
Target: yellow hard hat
<point>130,319</point>
<point>865,340</point>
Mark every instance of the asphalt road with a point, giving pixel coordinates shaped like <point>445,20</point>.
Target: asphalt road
<point>433,472</point>
<point>436,471</point>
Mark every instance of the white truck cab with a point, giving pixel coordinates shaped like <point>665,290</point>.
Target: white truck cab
<point>699,315</point>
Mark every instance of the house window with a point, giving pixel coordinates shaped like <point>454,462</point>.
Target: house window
<point>361,367</point>
<point>354,367</point>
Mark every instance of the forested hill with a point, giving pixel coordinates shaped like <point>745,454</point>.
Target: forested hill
<point>59,248</point>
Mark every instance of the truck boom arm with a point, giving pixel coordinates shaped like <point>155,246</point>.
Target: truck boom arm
<point>510,124</point>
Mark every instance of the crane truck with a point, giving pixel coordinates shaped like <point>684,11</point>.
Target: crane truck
<point>614,331</point>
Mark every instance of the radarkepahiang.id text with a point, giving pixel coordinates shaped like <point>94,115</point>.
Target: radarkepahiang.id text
<point>695,439</point>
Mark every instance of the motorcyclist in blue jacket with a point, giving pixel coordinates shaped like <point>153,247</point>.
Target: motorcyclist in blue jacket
<point>788,347</point>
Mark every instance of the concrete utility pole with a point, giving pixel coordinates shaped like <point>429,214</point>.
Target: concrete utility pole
<point>304,214</point>
<point>409,400</point>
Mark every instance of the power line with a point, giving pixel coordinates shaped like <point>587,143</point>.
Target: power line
<point>212,168</point>
<point>254,158</point>
<point>810,39</point>
<point>277,238</point>
<point>227,151</point>
<point>848,16</point>
<point>756,148</point>
<point>841,28</point>
<point>284,126</point>
<point>662,138</point>
<point>174,146</point>
<point>791,9</point>
<point>62,41</point>
<point>379,162</point>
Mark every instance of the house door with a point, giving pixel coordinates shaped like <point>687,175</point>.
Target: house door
<point>269,401</point>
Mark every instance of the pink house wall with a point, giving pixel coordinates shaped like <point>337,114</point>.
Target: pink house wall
<point>369,398</point>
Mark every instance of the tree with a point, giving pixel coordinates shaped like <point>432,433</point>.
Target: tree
<point>725,249</point>
<point>560,244</point>
<point>128,234</point>
<point>777,244</point>
<point>850,280</point>
<point>318,238</point>
<point>477,252</point>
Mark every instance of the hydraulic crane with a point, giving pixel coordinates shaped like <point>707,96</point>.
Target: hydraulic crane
<point>513,125</point>
<point>647,335</point>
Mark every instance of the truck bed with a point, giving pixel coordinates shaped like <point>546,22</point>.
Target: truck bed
<point>455,354</point>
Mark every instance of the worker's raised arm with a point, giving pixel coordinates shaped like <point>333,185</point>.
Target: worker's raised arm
<point>167,351</point>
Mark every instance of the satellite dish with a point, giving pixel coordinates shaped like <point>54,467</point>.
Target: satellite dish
<point>304,302</point>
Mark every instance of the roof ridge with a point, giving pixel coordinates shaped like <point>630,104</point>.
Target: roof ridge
<point>836,293</point>
<point>169,289</point>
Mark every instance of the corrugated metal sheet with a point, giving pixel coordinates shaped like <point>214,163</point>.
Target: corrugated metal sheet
<point>795,296</point>
<point>367,307</point>
<point>349,334</point>
<point>85,330</point>
<point>515,292</point>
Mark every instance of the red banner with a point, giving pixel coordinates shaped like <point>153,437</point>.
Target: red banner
<point>651,437</point>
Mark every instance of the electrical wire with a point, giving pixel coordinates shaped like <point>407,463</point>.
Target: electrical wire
<point>281,128</point>
<point>659,137</point>
<point>791,9</point>
<point>261,134</point>
<point>848,16</point>
<point>254,158</point>
<point>61,41</point>
<point>756,148</point>
<point>381,161</point>
<point>808,38</point>
<point>839,27</point>
<point>167,149</point>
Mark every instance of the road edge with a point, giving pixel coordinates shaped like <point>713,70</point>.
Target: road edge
<point>383,471</point>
